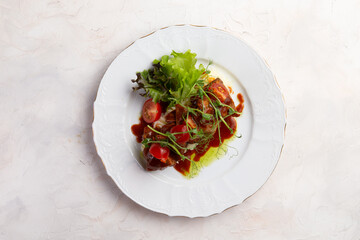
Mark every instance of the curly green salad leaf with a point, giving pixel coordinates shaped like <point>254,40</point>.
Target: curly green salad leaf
<point>172,79</point>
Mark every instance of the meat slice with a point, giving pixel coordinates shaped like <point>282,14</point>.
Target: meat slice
<point>173,158</point>
<point>180,112</point>
<point>191,122</point>
<point>218,88</point>
<point>170,117</point>
<point>148,133</point>
<point>203,104</point>
<point>208,127</point>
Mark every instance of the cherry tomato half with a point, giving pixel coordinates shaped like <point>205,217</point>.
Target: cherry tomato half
<point>159,152</point>
<point>151,111</point>
<point>182,137</point>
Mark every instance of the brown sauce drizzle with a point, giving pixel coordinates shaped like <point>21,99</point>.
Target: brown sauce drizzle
<point>240,106</point>
<point>138,129</point>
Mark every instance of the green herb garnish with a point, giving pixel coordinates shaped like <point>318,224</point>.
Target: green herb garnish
<point>175,79</point>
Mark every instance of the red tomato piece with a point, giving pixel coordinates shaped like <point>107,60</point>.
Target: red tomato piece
<point>183,136</point>
<point>159,152</point>
<point>151,111</point>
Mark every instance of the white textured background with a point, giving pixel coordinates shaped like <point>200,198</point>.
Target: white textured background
<point>52,57</point>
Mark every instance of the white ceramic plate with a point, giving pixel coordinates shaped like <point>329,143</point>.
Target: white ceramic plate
<point>229,180</point>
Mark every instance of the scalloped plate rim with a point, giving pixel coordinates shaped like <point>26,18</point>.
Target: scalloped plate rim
<point>209,213</point>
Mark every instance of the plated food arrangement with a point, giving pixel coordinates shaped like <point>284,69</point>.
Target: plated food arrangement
<point>187,112</point>
<point>195,137</point>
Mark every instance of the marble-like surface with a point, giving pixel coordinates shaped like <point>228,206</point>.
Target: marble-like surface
<point>52,57</point>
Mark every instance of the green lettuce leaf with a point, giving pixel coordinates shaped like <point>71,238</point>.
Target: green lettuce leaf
<point>182,72</point>
<point>172,79</point>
